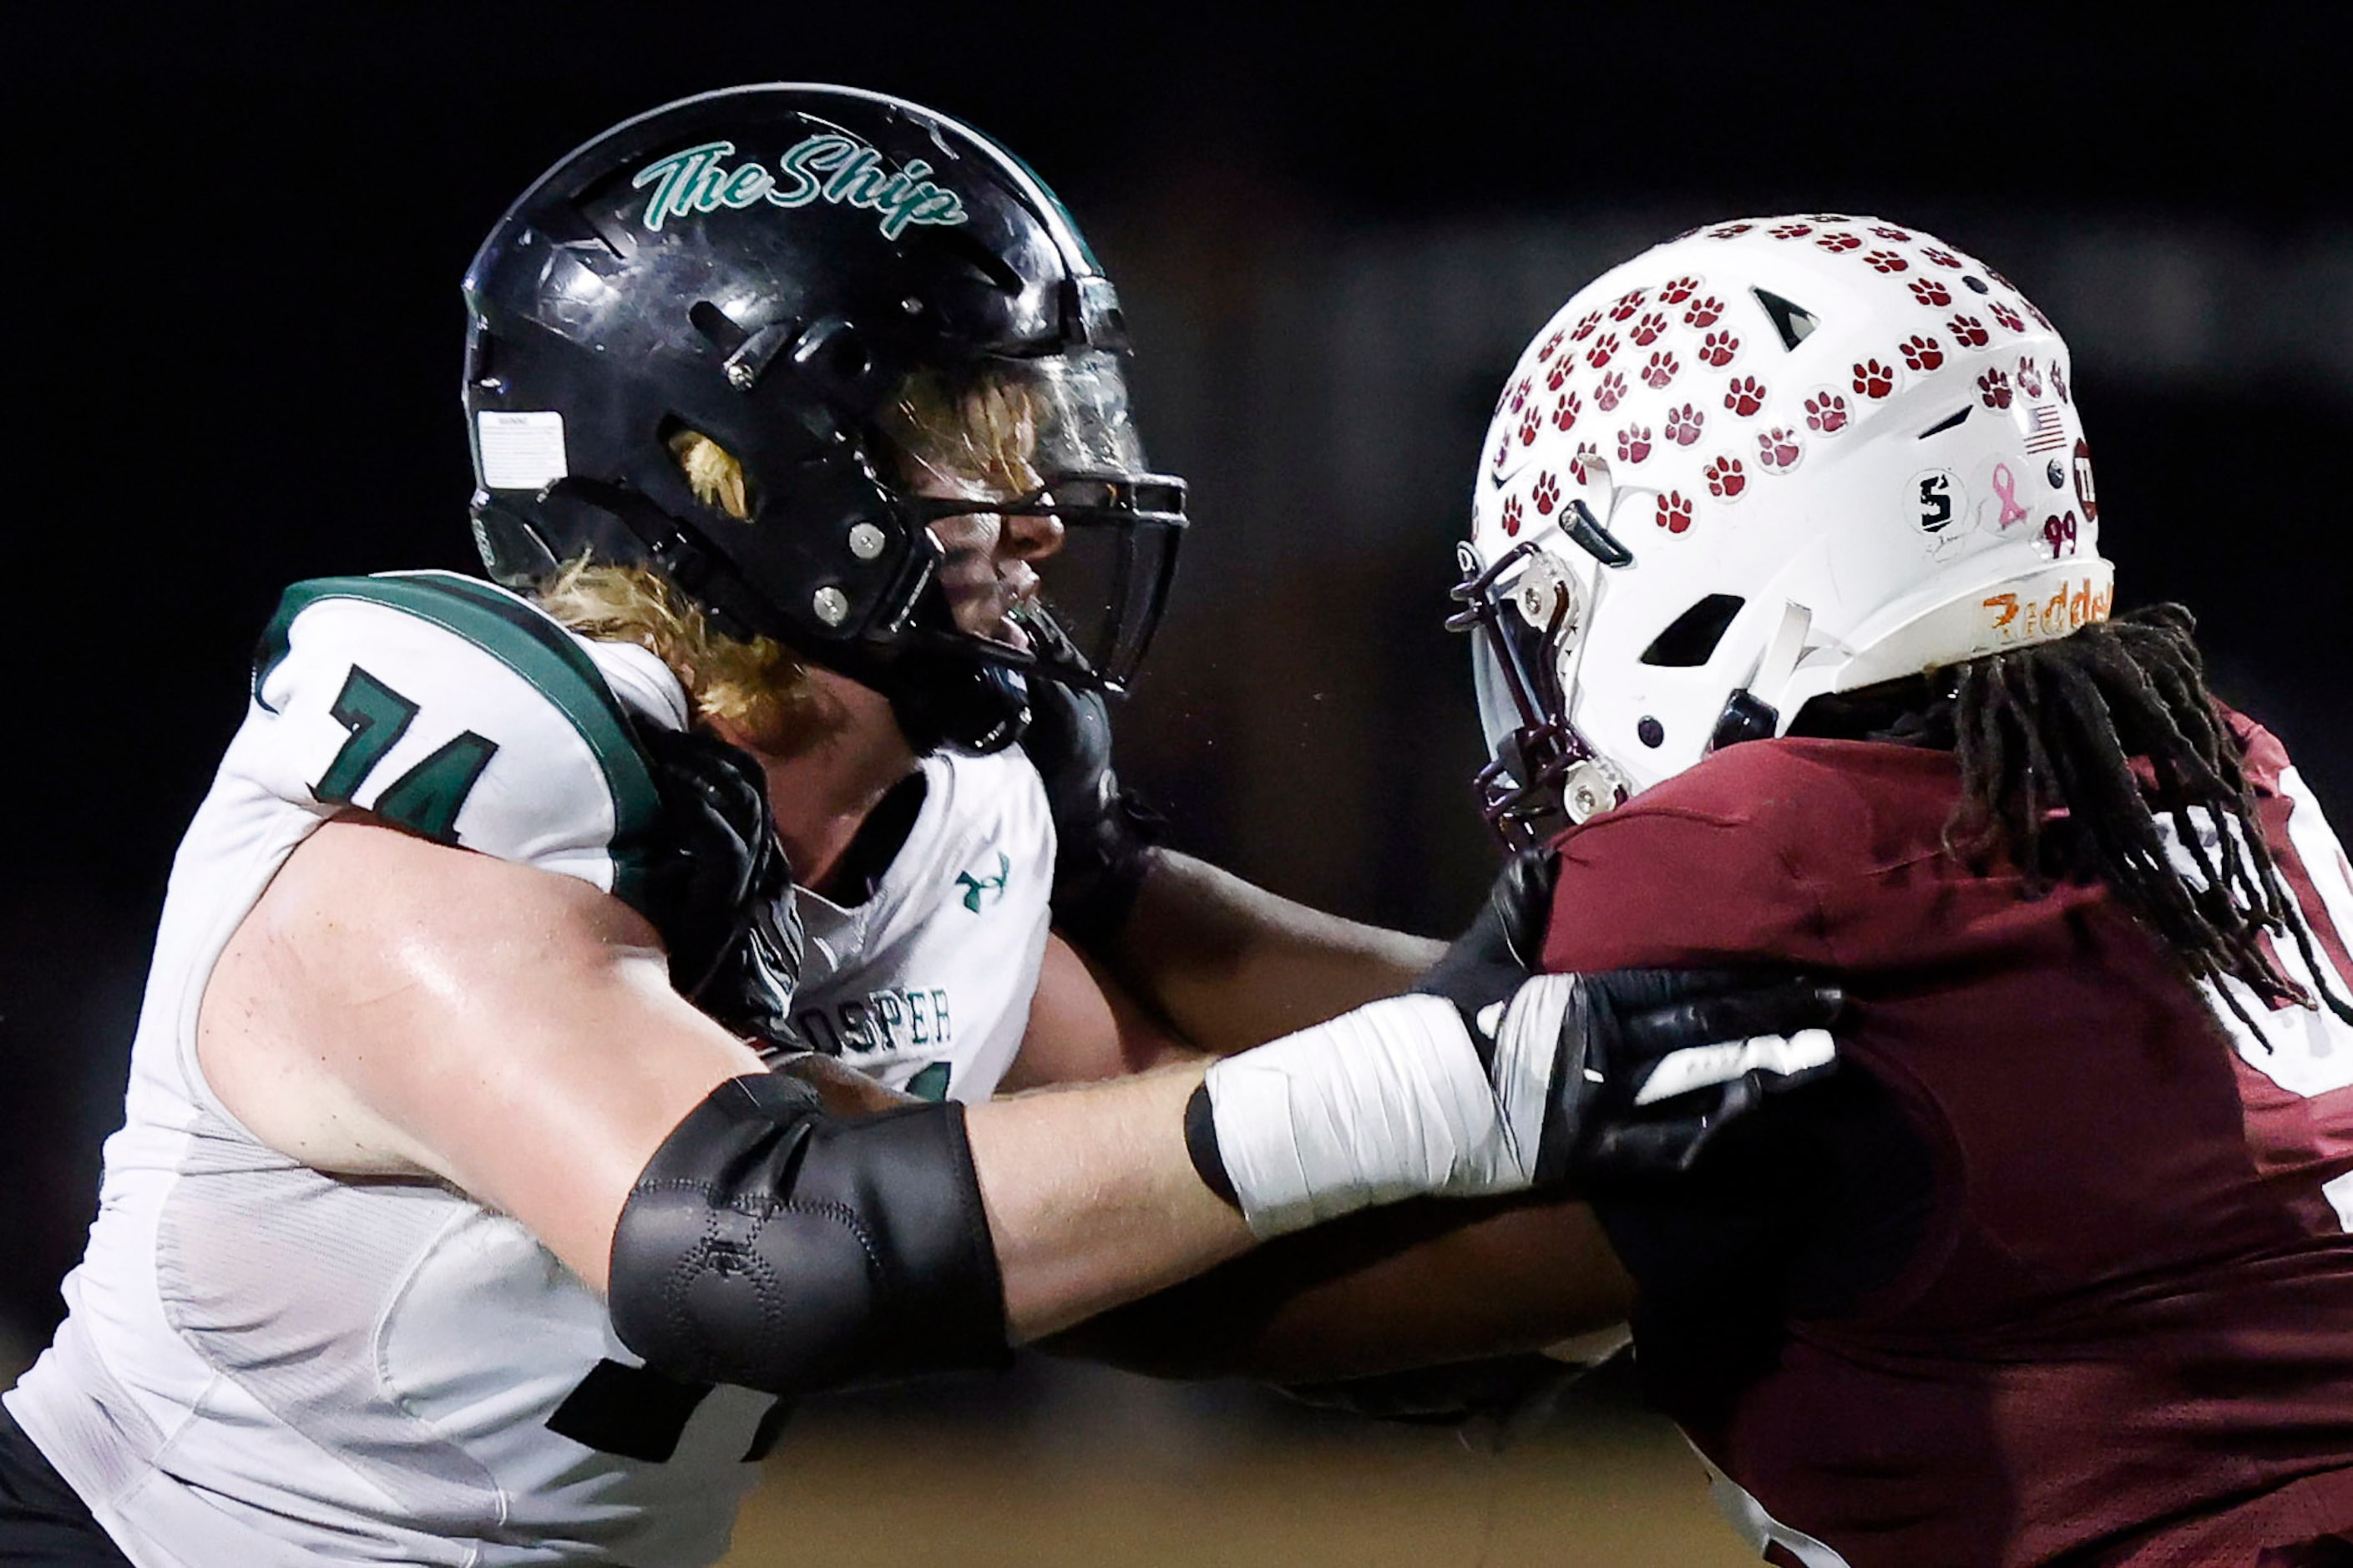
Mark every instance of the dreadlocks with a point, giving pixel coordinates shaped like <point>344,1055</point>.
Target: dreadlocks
<point>2046,737</point>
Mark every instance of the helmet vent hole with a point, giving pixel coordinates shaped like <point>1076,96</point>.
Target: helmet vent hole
<point>1650,732</point>
<point>1976,284</point>
<point>716,326</point>
<point>1690,640</point>
<point>1792,321</point>
<point>1948,421</point>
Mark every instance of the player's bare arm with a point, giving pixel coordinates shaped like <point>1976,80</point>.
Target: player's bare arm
<point>1083,1024</point>
<point>1416,1285</point>
<point>1227,964</point>
<point>395,1008</point>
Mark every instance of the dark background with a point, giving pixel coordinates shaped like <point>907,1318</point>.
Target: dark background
<point>234,343</point>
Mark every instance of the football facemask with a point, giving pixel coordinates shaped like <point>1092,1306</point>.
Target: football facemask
<point>1058,546</point>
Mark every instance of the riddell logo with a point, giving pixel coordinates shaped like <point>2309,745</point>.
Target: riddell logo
<point>2070,609</point>
<point>836,169</point>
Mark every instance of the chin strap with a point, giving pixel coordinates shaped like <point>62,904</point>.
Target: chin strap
<point>1747,716</point>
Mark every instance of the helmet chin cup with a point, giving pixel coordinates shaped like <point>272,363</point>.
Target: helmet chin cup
<point>1745,719</point>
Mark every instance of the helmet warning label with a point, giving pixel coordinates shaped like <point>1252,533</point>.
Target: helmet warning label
<point>521,451</point>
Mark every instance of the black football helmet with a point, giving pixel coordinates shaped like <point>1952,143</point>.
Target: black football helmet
<point>769,265</point>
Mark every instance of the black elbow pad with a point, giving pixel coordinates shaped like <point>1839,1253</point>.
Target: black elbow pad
<point>771,1245</point>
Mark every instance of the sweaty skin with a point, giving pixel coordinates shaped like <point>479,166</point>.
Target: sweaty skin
<point>392,1008</point>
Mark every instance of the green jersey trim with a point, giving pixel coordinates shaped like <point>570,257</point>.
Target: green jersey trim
<point>535,648</point>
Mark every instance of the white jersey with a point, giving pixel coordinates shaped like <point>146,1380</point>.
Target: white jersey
<point>266,1366</point>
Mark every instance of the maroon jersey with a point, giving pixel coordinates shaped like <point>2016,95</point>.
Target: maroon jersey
<point>2064,1270</point>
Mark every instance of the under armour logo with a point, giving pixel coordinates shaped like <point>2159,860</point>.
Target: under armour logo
<point>974,886</point>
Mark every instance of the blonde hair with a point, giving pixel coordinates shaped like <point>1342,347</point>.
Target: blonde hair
<point>969,429</point>
<point>757,686</point>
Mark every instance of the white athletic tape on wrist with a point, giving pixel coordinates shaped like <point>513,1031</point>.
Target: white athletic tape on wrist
<point>1387,1102</point>
<point>1701,1067</point>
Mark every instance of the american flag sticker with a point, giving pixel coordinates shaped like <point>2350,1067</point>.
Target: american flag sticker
<point>2043,433</point>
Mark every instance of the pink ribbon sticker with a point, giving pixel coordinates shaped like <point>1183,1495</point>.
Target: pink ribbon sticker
<point>2004,486</point>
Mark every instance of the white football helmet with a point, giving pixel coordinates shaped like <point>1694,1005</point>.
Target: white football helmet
<point>1762,462</point>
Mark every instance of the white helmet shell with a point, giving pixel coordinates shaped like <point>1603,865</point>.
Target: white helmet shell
<point>1837,452</point>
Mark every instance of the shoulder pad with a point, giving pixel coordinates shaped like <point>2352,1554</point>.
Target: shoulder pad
<point>456,710</point>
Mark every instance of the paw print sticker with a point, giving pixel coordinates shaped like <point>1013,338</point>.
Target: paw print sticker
<point>1968,332</point>
<point>1628,303</point>
<point>1520,394</point>
<point>2037,314</point>
<point>1744,396</point>
<point>1584,325</point>
<point>1888,231</point>
<point>1887,261</point>
<point>2008,318</point>
<point>1837,244</point>
<point>1777,449</point>
<point>1633,443</point>
<point>1512,516</point>
<point>1716,349</point>
<point>1730,230</point>
<point>1678,290</point>
<point>1682,427</point>
<point>1922,352</point>
<point>1662,368</point>
<point>1562,369</point>
<point>1993,389</point>
<point>1546,494</point>
<point>1552,345</point>
<point>1826,413</point>
<point>1873,379</point>
<point>1603,347</point>
<point>1646,330</point>
<point>1931,294</point>
<point>1611,393</point>
<point>1564,410</point>
<point>1702,312</point>
<point>1576,468</point>
<point>1791,230</point>
<point>1530,423</point>
<point>1675,513</point>
<point>2059,381</point>
<point>1503,452</point>
<point>2029,379</point>
<point>1941,257</point>
<point>1725,478</point>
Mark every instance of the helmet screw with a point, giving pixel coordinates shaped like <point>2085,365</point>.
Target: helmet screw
<point>831,604</point>
<point>866,541</point>
<point>740,377</point>
<point>911,305</point>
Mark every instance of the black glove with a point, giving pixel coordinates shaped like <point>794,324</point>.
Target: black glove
<point>715,884</point>
<point>1628,1073</point>
<point>1104,834</point>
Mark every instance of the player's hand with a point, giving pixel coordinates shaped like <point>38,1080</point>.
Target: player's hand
<point>1624,1074</point>
<point>1104,834</point>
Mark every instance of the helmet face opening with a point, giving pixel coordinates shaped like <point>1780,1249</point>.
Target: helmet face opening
<point>1059,546</point>
<point>893,329</point>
